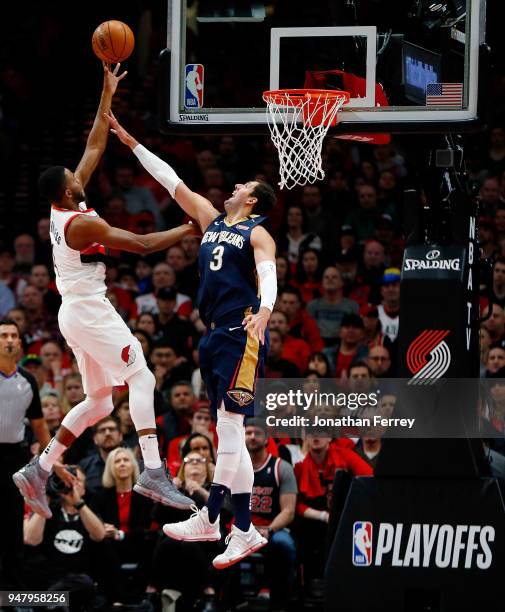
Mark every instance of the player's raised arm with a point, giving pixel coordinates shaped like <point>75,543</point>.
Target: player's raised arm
<point>193,204</point>
<point>264,256</point>
<point>97,139</point>
<point>84,231</point>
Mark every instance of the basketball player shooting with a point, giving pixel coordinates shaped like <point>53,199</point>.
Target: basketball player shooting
<point>236,250</point>
<point>106,351</point>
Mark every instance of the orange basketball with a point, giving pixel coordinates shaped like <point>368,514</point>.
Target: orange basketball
<point>113,41</point>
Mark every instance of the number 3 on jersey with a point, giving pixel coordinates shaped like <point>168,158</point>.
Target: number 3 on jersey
<point>216,262</point>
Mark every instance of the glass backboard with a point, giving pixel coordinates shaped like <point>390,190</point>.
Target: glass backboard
<point>410,65</point>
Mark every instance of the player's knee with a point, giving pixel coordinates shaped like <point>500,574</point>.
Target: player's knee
<point>230,432</point>
<point>99,408</point>
<point>143,380</point>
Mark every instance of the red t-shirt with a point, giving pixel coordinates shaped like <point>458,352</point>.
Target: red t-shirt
<point>124,502</point>
<point>343,363</point>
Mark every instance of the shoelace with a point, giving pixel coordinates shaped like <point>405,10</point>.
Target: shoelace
<point>196,511</point>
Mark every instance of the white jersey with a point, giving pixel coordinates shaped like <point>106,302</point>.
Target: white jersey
<point>77,272</point>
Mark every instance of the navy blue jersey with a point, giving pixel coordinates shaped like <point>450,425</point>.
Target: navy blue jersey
<point>227,269</point>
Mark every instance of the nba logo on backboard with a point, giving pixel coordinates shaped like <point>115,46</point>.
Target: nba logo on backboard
<point>362,543</point>
<point>193,97</point>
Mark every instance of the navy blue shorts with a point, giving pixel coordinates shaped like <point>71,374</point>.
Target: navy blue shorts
<point>230,362</point>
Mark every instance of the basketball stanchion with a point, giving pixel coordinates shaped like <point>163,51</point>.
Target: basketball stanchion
<point>299,120</point>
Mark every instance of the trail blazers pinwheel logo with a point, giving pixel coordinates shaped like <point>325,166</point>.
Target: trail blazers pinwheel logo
<point>428,357</point>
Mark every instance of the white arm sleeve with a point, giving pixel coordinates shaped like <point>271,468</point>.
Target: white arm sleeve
<point>162,172</point>
<point>267,275</point>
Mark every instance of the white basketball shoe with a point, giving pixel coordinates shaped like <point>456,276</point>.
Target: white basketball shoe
<point>240,544</point>
<point>197,528</point>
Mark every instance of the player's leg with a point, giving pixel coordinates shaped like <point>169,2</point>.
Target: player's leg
<point>153,482</point>
<point>31,480</point>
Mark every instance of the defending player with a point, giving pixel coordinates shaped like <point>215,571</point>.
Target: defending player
<point>234,248</point>
<point>106,351</point>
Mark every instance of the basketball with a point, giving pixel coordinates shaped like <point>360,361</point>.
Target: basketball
<point>113,41</point>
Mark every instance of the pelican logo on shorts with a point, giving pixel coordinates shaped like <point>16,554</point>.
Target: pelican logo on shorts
<point>428,356</point>
<point>362,543</point>
<point>241,397</point>
<point>128,355</point>
<point>193,96</point>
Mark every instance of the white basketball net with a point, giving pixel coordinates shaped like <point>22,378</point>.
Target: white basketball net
<point>298,124</point>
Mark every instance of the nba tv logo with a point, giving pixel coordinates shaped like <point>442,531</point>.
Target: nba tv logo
<point>362,543</point>
<point>193,88</point>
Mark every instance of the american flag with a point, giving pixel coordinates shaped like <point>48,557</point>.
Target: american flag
<point>444,94</point>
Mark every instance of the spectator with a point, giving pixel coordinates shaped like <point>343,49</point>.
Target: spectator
<point>163,278</point>
<point>173,329</point>
<point>126,426</point>
<point>389,308</point>
<point>138,199</point>
<point>143,273</point>
<point>40,279</point>
<point>7,301</point>
<point>371,271</point>
<point>146,322</point>
<point>490,197</point>
<point>319,220</point>
<point>318,362</point>
<point>315,475</point>
<point>275,365</point>
<point>495,161</point>
<point>369,450</point>
<point>495,324</point>
<point>273,503</point>
<point>7,276</point>
<point>188,278</point>
<point>69,560</point>
<point>499,282</point>
<point>283,273</point>
<point>51,409</point>
<point>73,392</point>
<point>308,275</point>
<point>177,420</point>
<point>41,325</point>
<point>379,361</point>
<point>146,342</point>
<point>364,218</point>
<point>33,363</point>
<point>296,237</point>
<point>43,249</point>
<point>116,213</point>
<point>106,437</point>
<point>52,360</point>
<point>24,253</point>
<point>301,324</point>
<point>347,248</point>
<point>191,576</point>
<point>126,515</point>
<point>499,223</point>
<point>495,359</point>
<point>329,309</point>
<point>484,343</point>
<point>168,367</point>
<point>487,237</point>
<point>349,348</point>
<point>201,423</point>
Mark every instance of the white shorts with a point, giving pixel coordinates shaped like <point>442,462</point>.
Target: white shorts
<point>107,352</point>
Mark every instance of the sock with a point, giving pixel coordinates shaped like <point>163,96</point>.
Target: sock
<point>242,510</point>
<point>150,451</point>
<point>53,451</point>
<point>216,500</point>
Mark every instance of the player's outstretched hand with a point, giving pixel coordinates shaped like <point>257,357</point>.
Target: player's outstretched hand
<point>256,324</point>
<point>118,129</point>
<point>111,78</point>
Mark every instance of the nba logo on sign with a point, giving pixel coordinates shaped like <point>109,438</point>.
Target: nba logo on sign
<point>193,96</point>
<point>362,543</point>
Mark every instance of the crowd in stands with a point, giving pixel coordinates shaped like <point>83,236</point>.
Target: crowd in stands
<point>340,246</point>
